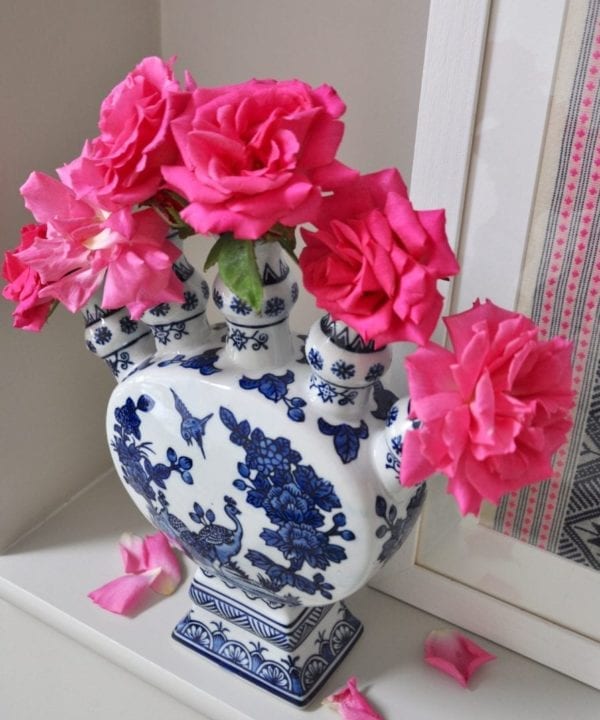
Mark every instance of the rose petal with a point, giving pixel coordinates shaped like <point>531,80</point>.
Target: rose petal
<point>159,554</point>
<point>151,553</point>
<point>133,553</point>
<point>456,655</point>
<point>150,564</point>
<point>352,704</point>
<point>124,594</point>
<point>414,468</point>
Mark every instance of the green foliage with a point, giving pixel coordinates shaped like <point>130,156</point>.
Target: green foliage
<point>237,264</point>
<point>238,268</point>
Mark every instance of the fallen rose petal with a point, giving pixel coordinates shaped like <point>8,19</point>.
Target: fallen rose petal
<point>453,653</point>
<point>132,553</point>
<point>352,704</point>
<point>150,553</point>
<point>159,554</point>
<point>150,563</point>
<point>124,594</point>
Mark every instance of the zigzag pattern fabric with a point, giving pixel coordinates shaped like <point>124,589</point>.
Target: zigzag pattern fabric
<point>560,290</point>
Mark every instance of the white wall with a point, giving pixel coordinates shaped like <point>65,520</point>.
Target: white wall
<point>58,59</point>
<point>371,52</point>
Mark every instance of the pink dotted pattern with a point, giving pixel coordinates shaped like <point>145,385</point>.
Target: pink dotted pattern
<point>569,252</point>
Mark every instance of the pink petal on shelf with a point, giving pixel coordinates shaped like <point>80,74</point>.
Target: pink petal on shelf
<point>133,553</point>
<point>152,552</point>
<point>352,704</point>
<point>453,653</point>
<point>124,594</point>
<point>159,554</point>
<point>150,563</point>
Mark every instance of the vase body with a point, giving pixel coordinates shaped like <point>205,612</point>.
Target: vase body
<point>272,459</point>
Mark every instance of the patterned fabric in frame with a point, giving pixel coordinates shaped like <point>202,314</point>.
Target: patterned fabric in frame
<point>559,290</point>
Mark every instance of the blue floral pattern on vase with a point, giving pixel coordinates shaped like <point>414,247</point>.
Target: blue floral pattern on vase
<point>204,362</point>
<point>217,299</point>
<point>275,388</point>
<point>394,528</point>
<point>315,359</point>
<point>295,291</point>
<point>190,300</point>
<point>343,370</point>
<point>239,306</point>
<point>375,372</point>
<point>240,339</point>
<point>163,333</point>
<point>135,456</point>
<point>128,325</point>
<point>102,335</point>
<point>160,310</point>
<point>274,306</point>
<point>329,393</point>
<point>296,501</point>
<point>119,361</point>
<point>346,439</point>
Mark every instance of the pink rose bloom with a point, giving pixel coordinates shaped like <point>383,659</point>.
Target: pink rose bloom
<point>122,165</point>
<point>24,284</point>
<point>85,246</point>
<point>256,154</point>
<point>374,261</point>
<point>494,409</point>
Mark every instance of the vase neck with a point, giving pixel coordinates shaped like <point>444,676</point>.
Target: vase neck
<point>121,342</point>
<point>260,340</point>
<point>180,327</point>
<point>344,368</point>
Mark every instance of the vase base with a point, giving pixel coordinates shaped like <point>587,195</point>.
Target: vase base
<point>242,639</point>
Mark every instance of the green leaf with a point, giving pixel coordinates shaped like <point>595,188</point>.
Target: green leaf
<point>239,270</point>
<point>213,255</point>
<point>286,237</point>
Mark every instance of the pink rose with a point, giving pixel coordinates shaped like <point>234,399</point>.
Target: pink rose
<point>24,284</point>
<point>122,165</point>
<point>256,154</point>
<point>85,246</point>
<point>493,410</point>
<point>374,261</point>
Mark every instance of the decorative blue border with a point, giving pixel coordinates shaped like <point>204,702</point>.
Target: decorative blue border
<point>284,676</point>
<point>288,637</point>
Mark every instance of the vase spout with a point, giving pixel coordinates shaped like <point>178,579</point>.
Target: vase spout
<point>260,339</point>
<point>124,344</point>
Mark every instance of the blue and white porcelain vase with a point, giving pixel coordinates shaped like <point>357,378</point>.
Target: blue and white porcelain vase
<point>271,458</point>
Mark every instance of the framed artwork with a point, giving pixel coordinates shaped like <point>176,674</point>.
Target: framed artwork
<point>520,173</point>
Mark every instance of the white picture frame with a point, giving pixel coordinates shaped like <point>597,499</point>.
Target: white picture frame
<point>490,68</point>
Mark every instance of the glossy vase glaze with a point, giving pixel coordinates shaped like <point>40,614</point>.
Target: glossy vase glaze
<point>272,459</point>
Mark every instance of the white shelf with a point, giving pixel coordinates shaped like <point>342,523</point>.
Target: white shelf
<point>49,573</point>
